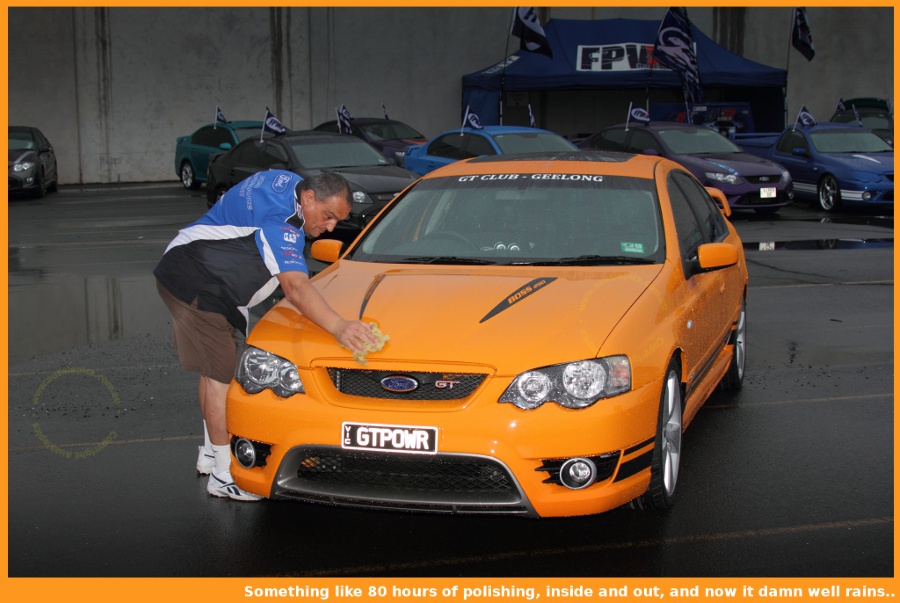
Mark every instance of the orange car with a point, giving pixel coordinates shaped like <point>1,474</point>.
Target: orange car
<point>555,321</point>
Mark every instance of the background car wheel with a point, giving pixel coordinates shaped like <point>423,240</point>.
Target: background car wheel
<point>667,444</point>
<point>829,193</point>
<point>40,188</point>
<point>215,195</point>
<point>734,378</point>
<point>187,176</point>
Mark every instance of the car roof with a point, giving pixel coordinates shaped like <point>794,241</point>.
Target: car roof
<point>491,130</point>
<point>610,163</point>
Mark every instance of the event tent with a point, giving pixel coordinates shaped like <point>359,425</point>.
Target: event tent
<point>612,54</point>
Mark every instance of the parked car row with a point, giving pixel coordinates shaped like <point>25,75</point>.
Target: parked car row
<point>32,162</point>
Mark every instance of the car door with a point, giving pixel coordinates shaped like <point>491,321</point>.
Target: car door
<point>710,294</point>
<point>801,167</point>
<point>48,157</point>
<point>244,160</point>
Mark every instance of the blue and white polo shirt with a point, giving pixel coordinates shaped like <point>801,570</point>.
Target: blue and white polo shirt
<point>227,260</point>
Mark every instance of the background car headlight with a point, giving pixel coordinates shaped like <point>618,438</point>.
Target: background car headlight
<point>572,385</point>
<point>785,176</point>
<point>24,166</point>
<point>361,197</point>
<point>732,179</point>
<point>259,370</point>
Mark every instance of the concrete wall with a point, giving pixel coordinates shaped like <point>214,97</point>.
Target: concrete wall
<point>114,87</point>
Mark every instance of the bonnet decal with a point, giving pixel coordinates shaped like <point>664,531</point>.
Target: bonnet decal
<point>518,295</point>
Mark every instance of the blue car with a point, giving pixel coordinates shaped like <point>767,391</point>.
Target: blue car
<point>192,152</point>
<point>837,164</point>
<point>464,143</point>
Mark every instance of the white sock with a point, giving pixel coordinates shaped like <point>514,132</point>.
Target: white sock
<point>223,458</point>
<point>207,445</point>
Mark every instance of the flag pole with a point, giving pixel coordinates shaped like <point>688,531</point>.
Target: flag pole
<point>505,57</point>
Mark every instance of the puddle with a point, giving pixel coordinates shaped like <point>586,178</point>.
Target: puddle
<point>820,244</point>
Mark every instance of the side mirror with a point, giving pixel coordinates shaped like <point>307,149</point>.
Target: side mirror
<point>225,146</point>
<point>719,197</point>
<point>326,250</point>
<point>713,256</point>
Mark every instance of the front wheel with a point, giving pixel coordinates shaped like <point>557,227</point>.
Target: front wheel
<point>187,176</point>
<point>829,193</point>
<point>666,459</point>
<point>734,378</point>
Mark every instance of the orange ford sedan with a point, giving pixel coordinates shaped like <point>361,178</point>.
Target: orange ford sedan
<point>555,321</point>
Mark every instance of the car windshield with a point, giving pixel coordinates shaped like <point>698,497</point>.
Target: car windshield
<point>531,142</point>
<point>390,130</point>
<point>872,121</point>
<point>520,219</point>
<point>20,141</point>
<point>340,152</point>
<point>848,141</point>
<point>696,141</point>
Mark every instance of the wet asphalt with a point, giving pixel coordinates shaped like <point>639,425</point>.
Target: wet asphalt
<point>792,476</point>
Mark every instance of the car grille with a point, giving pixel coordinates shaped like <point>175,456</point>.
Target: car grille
<point>771,180</point>
<point>440,483</point>
<point>431,386</point>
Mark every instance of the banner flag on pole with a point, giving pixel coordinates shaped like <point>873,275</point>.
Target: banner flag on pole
<point>801,36</point>
<point>527,27</point>
<point>272,124</point>
<point>675,49</point>
<point>344,118</point>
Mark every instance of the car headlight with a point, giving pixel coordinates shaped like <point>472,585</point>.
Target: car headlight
<point>785,176</point>
<point>23,167</point>
<point>259,370</point>
<point>732,179</point>
<point>361,197</point>
<point>572,385</point>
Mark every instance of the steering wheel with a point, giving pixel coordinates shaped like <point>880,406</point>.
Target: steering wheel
<point>450,235</point>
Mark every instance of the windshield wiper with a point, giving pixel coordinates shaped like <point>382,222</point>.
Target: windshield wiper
<point>592,260</point>
<point>442,259</point>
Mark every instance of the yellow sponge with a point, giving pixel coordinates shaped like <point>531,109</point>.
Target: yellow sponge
<point>360,356</point>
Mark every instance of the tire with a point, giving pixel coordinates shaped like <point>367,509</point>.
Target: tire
<point>664,466</point>
<point>40,188</point>
<point>829,193</point>
<point>213,195</point>
<point>734,378</point>
<point>188,179</point>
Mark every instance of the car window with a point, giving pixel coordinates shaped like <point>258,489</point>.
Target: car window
<point>475,145</point>
<point>248,152</point>
<point>327,152</point>
<point>712,221</point>
<point>641,141</point>
<point>531,142</point>
<point>687,226</point>
<point>20,141</point>
<point>331,126</point>
<point>696,141</point>
<point>205,137</point>
<point>791,140</point>
<point>273,154</point>
<point>610,140</point>
<point>521,219</point>
<point>455,146</point>
<point>392,130</point>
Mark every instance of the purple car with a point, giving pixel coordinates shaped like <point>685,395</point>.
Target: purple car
<point>389,136</point>
<point>749,182</point>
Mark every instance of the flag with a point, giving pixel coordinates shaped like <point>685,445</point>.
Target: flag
<point>471,119</point>
<point>527,27</point>
<point>804,118</point>
<point>383,108</point>
<point>856,114</point>
<point>344,118</point>
<point>674,48</point>
<point>220,117</point>
<point>841,106</point>
<point>637,114</point>
<point>530,116</point>
<point>801,36</point>
<point>271,124</point>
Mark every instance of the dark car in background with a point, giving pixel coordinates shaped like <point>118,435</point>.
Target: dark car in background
<point>32,162</point>
<point>374,180</point>
<point>192,152</point>
<point>465,143</point>
<point>389,136</point>
<point>872,113</point>
<point>748,181</point>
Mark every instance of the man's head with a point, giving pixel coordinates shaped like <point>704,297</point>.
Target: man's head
<point>324,200</point>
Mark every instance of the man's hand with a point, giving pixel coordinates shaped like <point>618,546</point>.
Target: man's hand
<point>356,336</point>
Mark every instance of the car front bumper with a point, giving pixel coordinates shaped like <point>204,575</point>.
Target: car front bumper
<point>491,457</point>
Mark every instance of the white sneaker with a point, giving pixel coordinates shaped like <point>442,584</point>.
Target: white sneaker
<point>223,486</point>
<point>206,462</point>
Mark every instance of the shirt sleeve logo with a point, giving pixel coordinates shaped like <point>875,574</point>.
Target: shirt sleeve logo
<point>281,182</point>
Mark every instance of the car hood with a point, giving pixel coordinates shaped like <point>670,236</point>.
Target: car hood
<point>378,179</point>
<point>743,163</point>
<point>878,163</point>
<point>510,319</point>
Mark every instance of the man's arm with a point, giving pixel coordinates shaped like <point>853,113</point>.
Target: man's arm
<point>352,334</point>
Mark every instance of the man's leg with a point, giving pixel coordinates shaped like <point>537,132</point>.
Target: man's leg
<point>206,462</point>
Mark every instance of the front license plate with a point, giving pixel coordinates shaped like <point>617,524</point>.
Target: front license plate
<point>389,438</point>
<point>768,192</point>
